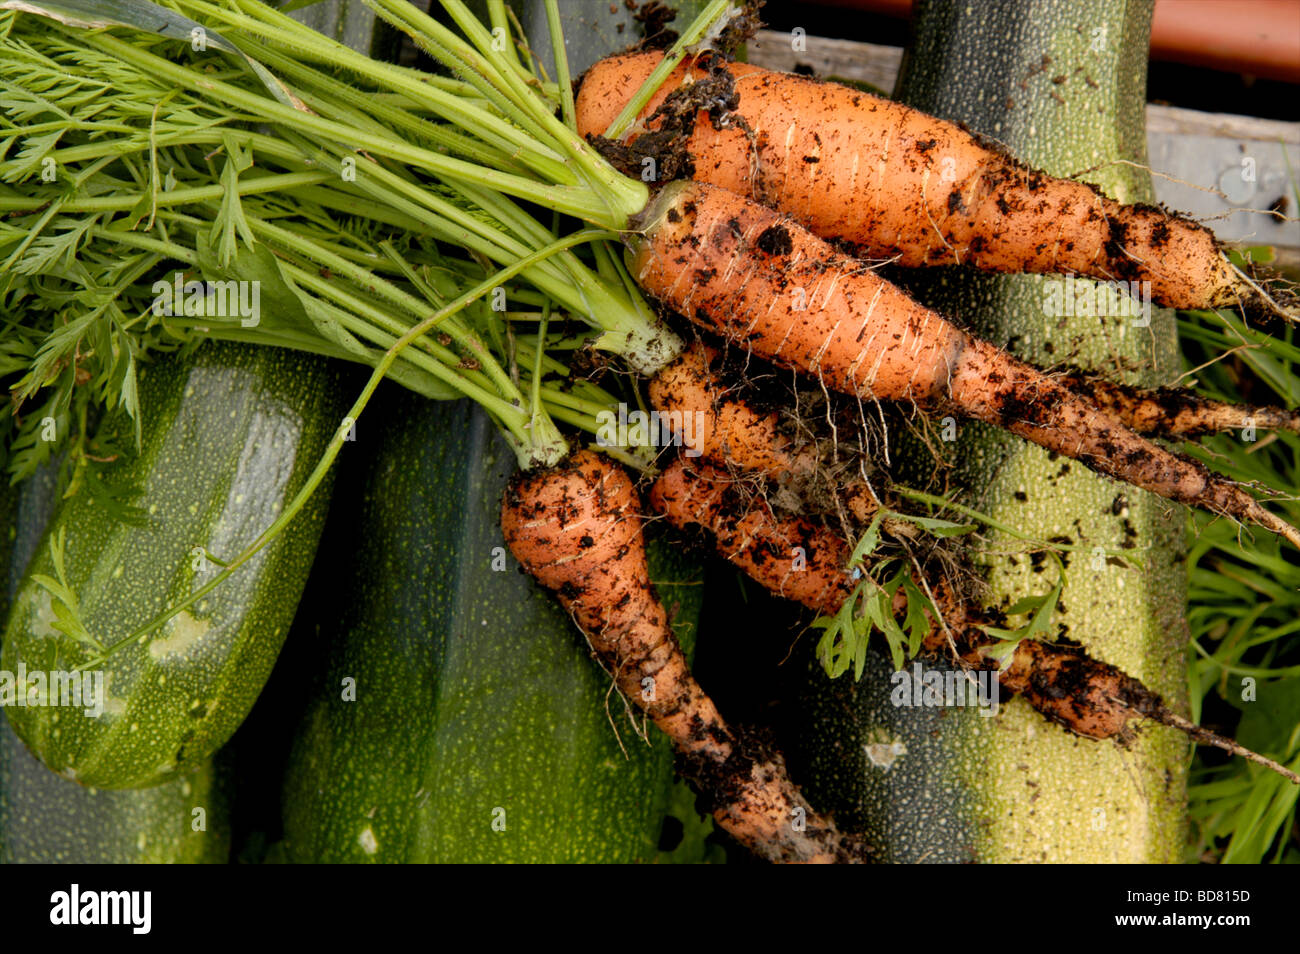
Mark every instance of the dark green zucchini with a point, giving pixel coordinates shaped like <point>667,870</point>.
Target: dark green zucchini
<point>481,730</point>
<point>230,435</point>
<point>45,819</point>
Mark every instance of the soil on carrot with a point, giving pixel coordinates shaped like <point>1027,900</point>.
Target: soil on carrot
<point>1260,308</point>
<point>673,123</point>
<point>721,786</point>
<point>775,240</point>
<point>835,439</point>
<point>1174,413</point>
<point>1086,696</point>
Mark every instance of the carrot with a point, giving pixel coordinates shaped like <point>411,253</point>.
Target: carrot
<point>724,261</point>
<point>900,184</point>
<point>728,429</point>
<point>1060,680</point>
<point>1100,701</point>
<point>759,279</point>
<point>1175,412</point>
<point>735,266</point>
<point>791,556</point>
<point>577,529</point>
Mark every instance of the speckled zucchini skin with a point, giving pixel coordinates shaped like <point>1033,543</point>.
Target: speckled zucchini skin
<point>45,819</point>
<point>1062,85</point>
<point>475,698</point>
<point>230,435</point>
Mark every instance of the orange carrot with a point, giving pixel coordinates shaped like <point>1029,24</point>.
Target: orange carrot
<point>761,280</point>
<point>728,429</point>
<point>900,184</point>
<point>1176,412</point>
<point>790,556</point>
<point>1060,680</point>
<point>1100,701</point>
<point>577,529</point>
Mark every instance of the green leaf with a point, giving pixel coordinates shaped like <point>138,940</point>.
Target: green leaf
<point>1258,254</point>
<point>920,612</point>
<point>237,150</point>
<point>54,248</point>
<point>230,221</point>
<point>1271,722</point>
<point>63,601</point>
<point>1001,652</point>
<point>148,18</point>
<point>280,307</point>
<point>1042,619</point>
<point>869,539</point>
<point>1028,604</point>
<point>941,528</point>
<point>114,498</point>
<point>836,647</point>
<point>1043,608</point>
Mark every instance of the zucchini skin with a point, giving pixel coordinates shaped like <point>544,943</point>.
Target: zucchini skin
<point>230,434</point>
<point>45,819</point>
<point>475,694</point>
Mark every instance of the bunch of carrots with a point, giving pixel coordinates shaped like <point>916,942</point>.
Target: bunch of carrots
<point>793,185</point>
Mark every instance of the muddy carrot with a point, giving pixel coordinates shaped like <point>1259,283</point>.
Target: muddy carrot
<point>1060,680</point>
<point>577,528</point>
<point>1175,412</point>
<point>900,184</point>
<point>724,261</point>
<point>728,429</point>
<point>761,280</point>
<point>750,534</point>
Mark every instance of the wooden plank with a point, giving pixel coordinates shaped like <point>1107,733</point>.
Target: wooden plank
<point>843,59</point>
<point>1192,122</point>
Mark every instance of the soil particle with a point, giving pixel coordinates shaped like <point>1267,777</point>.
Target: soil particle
<point>775,240</point>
